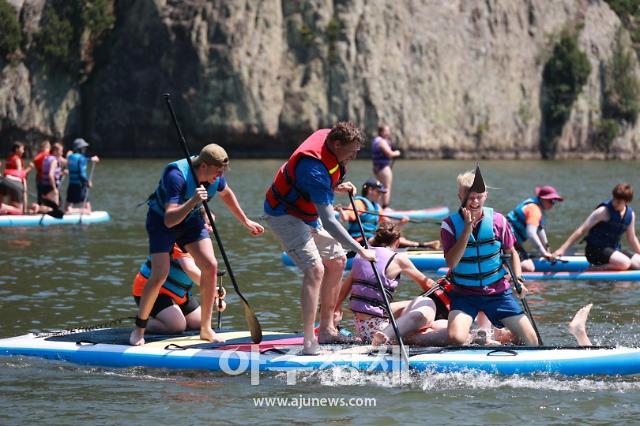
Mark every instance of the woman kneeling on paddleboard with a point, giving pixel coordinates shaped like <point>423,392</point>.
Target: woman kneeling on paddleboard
<point>416,318</point>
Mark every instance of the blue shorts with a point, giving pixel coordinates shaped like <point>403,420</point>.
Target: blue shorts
<point>76,193</point>
<point>161,238</point>
<point>496,307</point>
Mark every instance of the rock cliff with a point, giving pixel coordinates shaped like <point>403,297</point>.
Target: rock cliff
<point>453,78</point>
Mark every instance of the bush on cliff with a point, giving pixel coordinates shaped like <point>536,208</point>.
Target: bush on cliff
<point>621,88</point>
<point>60,43</point>
<point>563,77</point>
<point>10,35</point>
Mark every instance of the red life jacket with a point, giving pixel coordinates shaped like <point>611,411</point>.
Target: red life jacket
<point>11,166</point>
<point>285,179</point>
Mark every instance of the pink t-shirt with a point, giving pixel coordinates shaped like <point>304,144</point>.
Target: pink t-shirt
<point>503,233</point>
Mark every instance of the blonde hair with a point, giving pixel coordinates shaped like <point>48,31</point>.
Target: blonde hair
<point>465,180</point>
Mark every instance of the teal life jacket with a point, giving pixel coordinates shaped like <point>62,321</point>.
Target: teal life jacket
<point>77,166</point>
<point>518,220</point>
<point>177,282</point>
<point>158,200</point>
<point>369,221</point>
<point>481,264</point>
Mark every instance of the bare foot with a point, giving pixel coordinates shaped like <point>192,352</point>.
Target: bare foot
<point>379,338</point>
<point>137,337</point>
<point>209,335</point>
<point>310,347</point>
<point>578,325</point>
<point>328,338</point>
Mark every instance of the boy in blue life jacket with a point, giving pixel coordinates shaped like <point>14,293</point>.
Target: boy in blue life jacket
<point>78,179</point>
<point>174,217</point>
<point>473,240</point>
<point>604,228</point>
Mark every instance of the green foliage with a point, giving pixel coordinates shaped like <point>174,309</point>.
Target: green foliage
<point>59,42</point>
<point>332,31</point>
<point>10,35</point>
<point>621,100</point>
<point>606,131</point>
<point>563,77</point>
<point>307,35</point>
<point>625,8</point>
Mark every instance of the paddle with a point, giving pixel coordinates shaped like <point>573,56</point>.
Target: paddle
<point>86,194</point>
<point>252,321</point>
<point>427,220</point>
<point>221,272</point>
<point>506,258</point>
<point>387,306</point>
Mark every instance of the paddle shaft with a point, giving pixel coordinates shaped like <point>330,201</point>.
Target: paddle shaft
<point>403,351</point>
<point>507,260</point>
<point>252,321</point>
<point>393,217</point>
<point>86,195</point>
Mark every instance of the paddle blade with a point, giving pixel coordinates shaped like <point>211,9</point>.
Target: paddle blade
<point>252,322</point>
<point>58,214</point>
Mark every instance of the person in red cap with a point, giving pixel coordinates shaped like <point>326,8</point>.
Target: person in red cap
<point>527,223</point>
<point>604,227</point>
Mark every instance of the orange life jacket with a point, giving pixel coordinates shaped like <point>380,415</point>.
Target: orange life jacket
<point>11,166</point>
<point>285,180</point>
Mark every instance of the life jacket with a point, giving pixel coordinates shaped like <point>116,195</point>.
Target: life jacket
<point>46,168</point>
<point>480,264</point>
<point>365,292</point>
<point>607,234</point>
<point>158,200</point>
<point>37,161</point>
<point>440,297</point>
<point>377,155</point>
<point>284,191</point>
<point>11,166</point>
<point>369,221</point>
<point>178,285</point>
<point>518,220</point>
<point>77,166</point>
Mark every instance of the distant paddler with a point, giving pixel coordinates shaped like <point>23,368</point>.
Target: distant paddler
<point>604,228</point>
<point>79,181</point>
<point>371,216</point>
<point>174,217</point>
<point>382,155</point>
<point>299,210</point>
<point>527,222</point>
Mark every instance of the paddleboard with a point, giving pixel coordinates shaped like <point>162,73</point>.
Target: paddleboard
<point>281,352</point>
<point>574,276</point>
<point>426,260</point>
<point>439,212</point>
<point>67,219</point>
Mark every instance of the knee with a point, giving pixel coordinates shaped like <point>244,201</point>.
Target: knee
<point>621,264</point>
<point>315,272</point>
<point>177,325</point>
<point>421,317</point>
<point>527,266</point>
<point>456,337</point>
<point>209,267</point>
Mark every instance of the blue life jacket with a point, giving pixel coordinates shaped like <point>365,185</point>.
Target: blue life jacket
<point>480,264</point>
<point>518,221</point>
<point>607,234</point>
<point>158,200</point>
<point>369,221</point>
<point>177,282</point>
<point>77,165</point>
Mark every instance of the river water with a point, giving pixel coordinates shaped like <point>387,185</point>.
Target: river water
<point>58,277</point>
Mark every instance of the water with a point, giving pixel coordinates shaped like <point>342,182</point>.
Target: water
<point>70,276</point>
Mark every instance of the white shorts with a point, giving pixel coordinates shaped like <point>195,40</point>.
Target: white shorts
<point>304,244</point>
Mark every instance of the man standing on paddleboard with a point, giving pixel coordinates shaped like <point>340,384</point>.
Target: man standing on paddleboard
<point>299,211</point>
<point>174,217</point>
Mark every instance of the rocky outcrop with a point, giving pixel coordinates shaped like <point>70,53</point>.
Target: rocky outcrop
<point>453,78</point>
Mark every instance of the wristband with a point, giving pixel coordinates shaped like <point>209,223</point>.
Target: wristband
<point>141,323</point>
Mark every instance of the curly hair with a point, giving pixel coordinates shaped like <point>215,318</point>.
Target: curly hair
<point>346,133</point>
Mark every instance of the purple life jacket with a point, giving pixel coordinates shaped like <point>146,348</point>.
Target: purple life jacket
<point>380,160</point>
<point>365,292</point>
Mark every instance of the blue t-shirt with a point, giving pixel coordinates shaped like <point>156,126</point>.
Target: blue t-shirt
<point>175,185</point>
<point>311,176</point>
